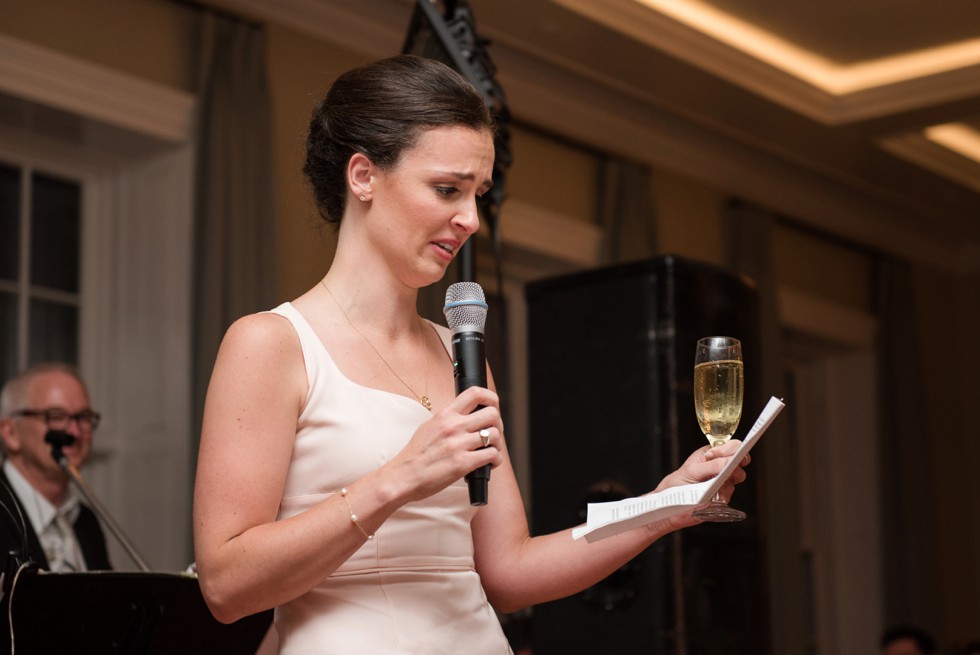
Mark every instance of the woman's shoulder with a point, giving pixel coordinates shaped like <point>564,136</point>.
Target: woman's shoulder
<point>260,351</point>
<point>261,330</point>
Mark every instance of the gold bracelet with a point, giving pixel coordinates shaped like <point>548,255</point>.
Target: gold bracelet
<point>353,516</point>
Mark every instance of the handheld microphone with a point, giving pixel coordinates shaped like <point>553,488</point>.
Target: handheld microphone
<point>466,313</point>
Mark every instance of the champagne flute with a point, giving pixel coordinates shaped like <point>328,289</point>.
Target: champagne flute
<point>718,384</point>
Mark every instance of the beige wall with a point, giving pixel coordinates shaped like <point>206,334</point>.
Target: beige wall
<point>689,218</point>
<point>300,71</point>
<point>553,174</point>
<point>826,269</point>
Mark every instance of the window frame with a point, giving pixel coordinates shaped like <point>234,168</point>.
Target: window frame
<point>132,142</point>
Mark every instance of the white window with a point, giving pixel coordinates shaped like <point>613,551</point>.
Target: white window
<point>40,252</point>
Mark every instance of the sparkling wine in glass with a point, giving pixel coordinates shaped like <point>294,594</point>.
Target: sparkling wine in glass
<point>718,390</point>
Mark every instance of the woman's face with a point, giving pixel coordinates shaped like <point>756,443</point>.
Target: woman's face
<point>425,207</point>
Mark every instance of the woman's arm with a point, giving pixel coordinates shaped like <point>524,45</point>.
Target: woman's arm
<point>518,570</point>
<point>246,561</point>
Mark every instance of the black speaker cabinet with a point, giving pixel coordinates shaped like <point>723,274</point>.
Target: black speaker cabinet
<point>612,411</point>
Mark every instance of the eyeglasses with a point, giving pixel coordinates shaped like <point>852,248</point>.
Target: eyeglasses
<point>59,419</point>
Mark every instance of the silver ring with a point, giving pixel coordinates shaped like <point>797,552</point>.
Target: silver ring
<point>485,435</point>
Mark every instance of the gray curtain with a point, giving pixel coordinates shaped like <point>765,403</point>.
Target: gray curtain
<point>234,248</point>
<point>748,241</point>
<point>626,212</point>
<point>907,516</point>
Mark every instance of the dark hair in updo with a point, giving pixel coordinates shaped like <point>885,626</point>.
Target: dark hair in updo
<point>380,110</point>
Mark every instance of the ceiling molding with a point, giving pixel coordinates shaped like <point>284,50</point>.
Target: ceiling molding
<point>610,121</point>
<point>784,73</point>
<point>366,27</point>
<point>958,137</point>
<point>946,86</point>
<point>951,150</point>
<point>825,319</point>
<point>95,92</point>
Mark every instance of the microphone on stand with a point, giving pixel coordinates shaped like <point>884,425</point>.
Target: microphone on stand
<point>466,313</point>
<point>58,440</point>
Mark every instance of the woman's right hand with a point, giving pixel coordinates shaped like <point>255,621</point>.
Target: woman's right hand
<point>449,445</point>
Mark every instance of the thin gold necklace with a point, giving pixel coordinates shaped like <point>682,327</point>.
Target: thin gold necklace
<point>424,398</point>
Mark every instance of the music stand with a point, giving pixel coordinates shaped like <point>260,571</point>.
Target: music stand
<point>108,612</point>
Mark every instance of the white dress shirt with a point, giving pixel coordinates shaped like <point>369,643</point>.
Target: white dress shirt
<point>53,525</point>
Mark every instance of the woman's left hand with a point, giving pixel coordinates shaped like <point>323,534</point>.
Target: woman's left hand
<point>703,464</point>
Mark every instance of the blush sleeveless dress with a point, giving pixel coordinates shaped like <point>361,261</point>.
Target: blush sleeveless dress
<point>413,589</point>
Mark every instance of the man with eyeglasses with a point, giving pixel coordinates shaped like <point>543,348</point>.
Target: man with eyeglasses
<point>39,512</point>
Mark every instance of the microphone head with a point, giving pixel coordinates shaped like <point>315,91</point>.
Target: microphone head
<point>59,438</point>
<point>466,307</point>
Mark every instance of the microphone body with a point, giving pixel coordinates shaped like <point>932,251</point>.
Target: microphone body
<point>469,361</point>
<point>470,370</point>
<point>466,312</point>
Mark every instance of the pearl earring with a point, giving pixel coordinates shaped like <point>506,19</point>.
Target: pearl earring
<point>363,197</point>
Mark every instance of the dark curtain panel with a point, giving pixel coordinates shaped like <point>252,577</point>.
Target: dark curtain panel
<point>907,520</point>
<point>234,247</point>
<point>748,239</point>
<point>626,212</point>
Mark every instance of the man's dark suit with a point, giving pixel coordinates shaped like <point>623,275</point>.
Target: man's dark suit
<point>87,532</point>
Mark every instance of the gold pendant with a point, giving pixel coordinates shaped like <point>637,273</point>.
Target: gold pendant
<point>425,402</point>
